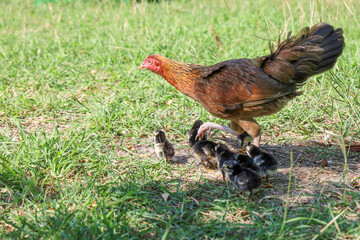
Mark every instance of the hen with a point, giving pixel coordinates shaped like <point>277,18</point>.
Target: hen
<point>242,89</point>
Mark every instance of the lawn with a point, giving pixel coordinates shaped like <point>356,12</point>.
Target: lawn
<point>77,116</point>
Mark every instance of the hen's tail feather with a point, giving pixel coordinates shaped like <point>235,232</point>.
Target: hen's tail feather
<point>312,51</point>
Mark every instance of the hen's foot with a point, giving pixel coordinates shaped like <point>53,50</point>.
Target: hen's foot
<point>203,129</point>
<point>210,126</point>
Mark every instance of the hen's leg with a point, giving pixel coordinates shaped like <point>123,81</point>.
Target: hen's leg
<point>252,128</point>
<point>210,126</point>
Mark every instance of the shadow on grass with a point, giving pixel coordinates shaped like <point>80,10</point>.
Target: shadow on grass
<point>133,206</point>
<point>134,210</point>
<point>175,209</point>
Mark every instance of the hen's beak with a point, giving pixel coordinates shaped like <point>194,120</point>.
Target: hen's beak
<point>141,67</point>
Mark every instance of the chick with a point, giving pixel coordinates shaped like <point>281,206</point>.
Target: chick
<point>244,179</point>
<point>244,137</point>
<point>193,132</point>
<point>246,161</point>
<point>205,152</point>
<point>163,148</point>
<point>266,162</point>
<point>223,154</point>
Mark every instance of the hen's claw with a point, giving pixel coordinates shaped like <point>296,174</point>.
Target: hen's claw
<point>202,130</point>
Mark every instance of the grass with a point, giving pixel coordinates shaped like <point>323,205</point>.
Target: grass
<point>74,110</point>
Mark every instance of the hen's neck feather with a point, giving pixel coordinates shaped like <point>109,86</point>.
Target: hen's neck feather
<point>180,75</point>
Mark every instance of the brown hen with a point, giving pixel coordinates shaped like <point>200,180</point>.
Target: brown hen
<point>242,89</point>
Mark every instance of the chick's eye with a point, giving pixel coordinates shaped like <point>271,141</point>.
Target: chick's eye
<point>149,61</point>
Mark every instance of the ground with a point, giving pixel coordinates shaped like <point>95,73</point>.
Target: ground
<point>317,166</point>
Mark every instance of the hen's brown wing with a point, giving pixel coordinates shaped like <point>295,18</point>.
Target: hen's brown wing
<point>244,83</point>
<point>236,84</point>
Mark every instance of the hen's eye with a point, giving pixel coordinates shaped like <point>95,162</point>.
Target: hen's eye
<point>149,61</point>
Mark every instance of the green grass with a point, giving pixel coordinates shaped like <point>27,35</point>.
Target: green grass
<point>73,103</point>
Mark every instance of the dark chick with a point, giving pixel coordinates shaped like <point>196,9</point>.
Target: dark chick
<point>204,151</point>
<point>244,137</point>
<point>266,162</point>
<point>246,161</point>
<point>244,179</point>
<point>163,148</point>
<point>224,154</point>
<point>241,90</point>
<point>193,132</point>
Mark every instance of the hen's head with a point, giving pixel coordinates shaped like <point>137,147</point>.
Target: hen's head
<point>153,63</point>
